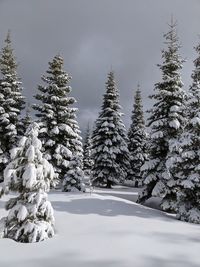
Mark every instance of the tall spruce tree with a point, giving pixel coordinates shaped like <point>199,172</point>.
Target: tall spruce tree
<point>186,164</point>
<point>59,128</point>
<point>166,122</point>
<point>30,218</point>
<point>109,141</point>
<point>137,138</point>
<point>87,152</point>
<point>11,102</point>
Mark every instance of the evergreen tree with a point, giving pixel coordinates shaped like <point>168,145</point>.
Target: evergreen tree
<point>25,121</point>
<point>137,138</point>
<point>166,122</point>
<point>87,153</point>
<point>59,128</point>
<point>30,218</point>
<point>109,141</point>
<point>73,179</point>
<point>186,164</point>
<point>11,102</point>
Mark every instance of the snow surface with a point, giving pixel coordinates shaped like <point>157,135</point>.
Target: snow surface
<point>101,229</point>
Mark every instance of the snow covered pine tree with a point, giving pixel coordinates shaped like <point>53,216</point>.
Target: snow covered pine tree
<point>87,153</point>
<point>137,138</point>
<point>59,128</point>
<point>30,218</point>
<point>187,163</point>
<point>25,121</point>
<point>11,103</point>
<point>166,123</point>
<point>109,141</point>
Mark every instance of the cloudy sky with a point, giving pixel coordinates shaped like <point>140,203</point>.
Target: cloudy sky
<point>92,36</point>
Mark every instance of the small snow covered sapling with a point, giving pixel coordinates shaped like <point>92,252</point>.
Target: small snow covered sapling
<point>73,179</point>
<point>30,218</point>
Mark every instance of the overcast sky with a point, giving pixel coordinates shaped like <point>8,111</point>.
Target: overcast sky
<point>92,36</point>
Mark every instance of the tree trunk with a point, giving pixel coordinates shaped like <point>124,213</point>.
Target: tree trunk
<point>109,184</point>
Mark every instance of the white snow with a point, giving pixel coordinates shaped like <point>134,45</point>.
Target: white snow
<point>55,130</point>
<point>157,135</point>
<point>30,153</point>
<point>29,176</point>
<point>22,213</point>
<point>159,189</point>
<point>94,230</point>
<point>174,108</point>
<point>174,124</point>
<point>195,121</point>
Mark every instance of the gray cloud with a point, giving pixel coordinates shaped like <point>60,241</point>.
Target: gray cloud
<point>92,35</point>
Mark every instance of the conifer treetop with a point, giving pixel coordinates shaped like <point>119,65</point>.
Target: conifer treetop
<point>169,93</point>
<point>137,113</point>
<point>8,63</point>
<point>111,97</point>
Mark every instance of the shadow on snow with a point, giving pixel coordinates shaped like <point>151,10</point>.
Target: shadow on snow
<point>107,207</point>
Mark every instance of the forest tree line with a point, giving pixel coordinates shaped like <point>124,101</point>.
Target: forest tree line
<point>47,151</point>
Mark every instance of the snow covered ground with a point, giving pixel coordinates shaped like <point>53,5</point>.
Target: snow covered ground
<point>105,229</point>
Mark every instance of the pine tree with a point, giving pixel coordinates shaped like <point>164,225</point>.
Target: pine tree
<point>73,179</point>
<point>110,151</point>
<point>166,122</point>
<point>25,121</point>
<point>59,128</point>
<point>87,153</point>
<point>186,164</point>
<point>137,138</point>
<point>11,102</point>
<point>30,218</point>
